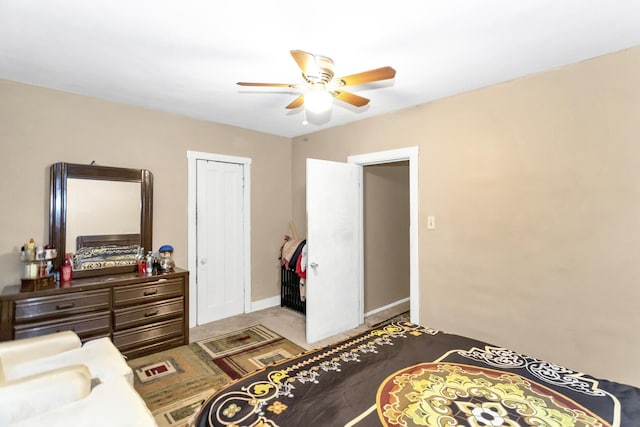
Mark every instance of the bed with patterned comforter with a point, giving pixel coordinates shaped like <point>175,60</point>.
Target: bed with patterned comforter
<point>403,374</point>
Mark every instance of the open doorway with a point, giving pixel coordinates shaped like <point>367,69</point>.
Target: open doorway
<point>386,204</point>
<point>342,220</point>
<point>410,155</point>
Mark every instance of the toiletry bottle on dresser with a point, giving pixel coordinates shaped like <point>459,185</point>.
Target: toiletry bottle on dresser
<point>149,263</point>
<point>141,261</point>
<point>65,269</point>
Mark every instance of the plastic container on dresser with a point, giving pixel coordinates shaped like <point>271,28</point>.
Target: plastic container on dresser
<point>141,314</point>
<point>35,272</point>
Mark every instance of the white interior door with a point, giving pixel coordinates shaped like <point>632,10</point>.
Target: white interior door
<point>219,217</point>
<point>333,245</point>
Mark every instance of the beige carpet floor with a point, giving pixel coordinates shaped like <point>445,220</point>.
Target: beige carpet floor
<point>289,324</point>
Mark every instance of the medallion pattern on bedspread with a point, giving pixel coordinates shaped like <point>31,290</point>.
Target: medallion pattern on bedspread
<point>251,405</point>
<point>422,377</point>
<point>450,394</point>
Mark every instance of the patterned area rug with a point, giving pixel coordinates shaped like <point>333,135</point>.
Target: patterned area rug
<point>402,317</point>
<point>174,383</point>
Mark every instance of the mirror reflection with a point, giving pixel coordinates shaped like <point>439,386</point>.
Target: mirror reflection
<point>101,208</point>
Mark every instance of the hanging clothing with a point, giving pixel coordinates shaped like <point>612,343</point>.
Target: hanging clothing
<point>303,255</point>
<point>288,248</point>
<point>301,271</point>
<point>300,268</point>
<point>293,262</point>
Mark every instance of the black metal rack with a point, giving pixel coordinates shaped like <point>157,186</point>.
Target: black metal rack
<point>290,291</point>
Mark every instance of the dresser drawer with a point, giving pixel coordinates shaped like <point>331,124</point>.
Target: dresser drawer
<point>141,314</point>
<point>33,309</point>
<point>146,335</point>
<point>85,325</point>
<point>146,292</point>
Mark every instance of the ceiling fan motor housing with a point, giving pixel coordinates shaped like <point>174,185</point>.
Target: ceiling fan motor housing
<point>323,74</point>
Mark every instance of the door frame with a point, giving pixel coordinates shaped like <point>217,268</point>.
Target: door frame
<point>193,157</point>
<point>389,156</point>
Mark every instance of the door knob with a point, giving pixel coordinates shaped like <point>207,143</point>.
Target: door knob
<point>313,265</point>
<point>203,261</point>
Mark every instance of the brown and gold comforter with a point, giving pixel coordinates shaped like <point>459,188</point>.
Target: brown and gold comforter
<point>407,375</point>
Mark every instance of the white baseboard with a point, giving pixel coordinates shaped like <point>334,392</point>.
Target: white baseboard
<point>275,301</point>
<point>388,306</point>
<point>265,303</point>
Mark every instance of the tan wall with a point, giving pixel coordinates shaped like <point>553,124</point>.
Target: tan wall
<point>39,127</point>
<point>535,185</point>
<point>386,234</point>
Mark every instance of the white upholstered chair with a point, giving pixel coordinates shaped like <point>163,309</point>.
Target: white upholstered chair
<point>29,356</point>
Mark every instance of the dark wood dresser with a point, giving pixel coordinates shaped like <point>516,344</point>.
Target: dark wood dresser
<point>141,314</point>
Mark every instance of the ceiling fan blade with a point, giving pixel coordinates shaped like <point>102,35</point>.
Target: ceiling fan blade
<point>351,98</point>
<point>296,103</point>
<point>383,73</point>
<point>267,84</point>
<point>307,62</point>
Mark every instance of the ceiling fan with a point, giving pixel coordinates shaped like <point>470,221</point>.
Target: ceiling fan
<point>321,85</point>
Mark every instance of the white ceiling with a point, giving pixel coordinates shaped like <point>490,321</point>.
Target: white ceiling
<point>185,56</point>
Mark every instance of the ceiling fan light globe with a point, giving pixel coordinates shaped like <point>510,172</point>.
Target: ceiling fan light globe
<point>318,101</point>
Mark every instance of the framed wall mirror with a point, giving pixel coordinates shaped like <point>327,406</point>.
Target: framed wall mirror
<point>98,207</point>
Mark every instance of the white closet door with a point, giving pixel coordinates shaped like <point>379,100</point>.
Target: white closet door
<point>219,214</point>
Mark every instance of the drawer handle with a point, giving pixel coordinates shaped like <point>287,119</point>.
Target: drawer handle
<point>65,306</point>
<point>151,292</point>
<point>151,313</point>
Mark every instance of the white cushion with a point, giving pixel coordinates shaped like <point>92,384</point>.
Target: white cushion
<point>111,404</point>
<point>100,355</point>
<point>23,350</point>
<point>26,397</point>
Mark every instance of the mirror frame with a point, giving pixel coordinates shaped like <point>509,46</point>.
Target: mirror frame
<point>59,174</point>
